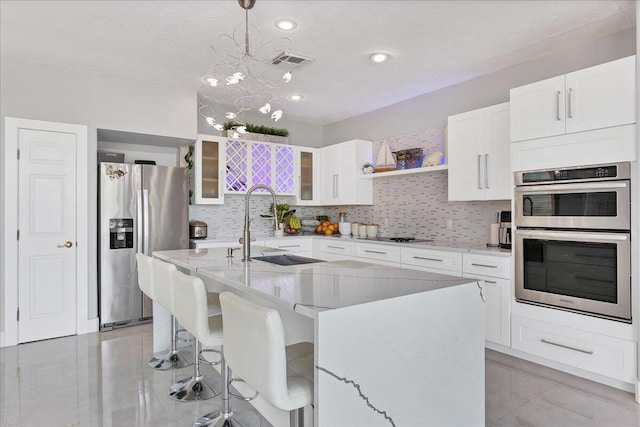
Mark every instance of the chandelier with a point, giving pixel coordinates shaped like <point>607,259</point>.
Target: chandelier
<point>244,79</point>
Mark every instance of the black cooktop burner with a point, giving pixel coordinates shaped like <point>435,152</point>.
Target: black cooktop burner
<point>402,239</point>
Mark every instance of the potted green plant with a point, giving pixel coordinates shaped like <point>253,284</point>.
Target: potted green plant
<point>258,133</point>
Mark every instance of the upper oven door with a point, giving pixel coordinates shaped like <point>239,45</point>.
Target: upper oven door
<point>590,205</point>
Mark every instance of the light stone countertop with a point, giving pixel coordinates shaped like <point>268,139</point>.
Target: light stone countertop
<point>464,247</point>
<point>309,288</point>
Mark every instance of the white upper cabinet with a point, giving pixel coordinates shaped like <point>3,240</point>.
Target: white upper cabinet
<point>249,163</point>
<point>307,178</point>
<point>479,154</point>
<point>208,170</point>
<point>593,98</point>
<point>341,169</point>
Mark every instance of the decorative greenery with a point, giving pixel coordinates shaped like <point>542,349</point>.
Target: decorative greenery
<point>258,129</point>
<point>367,165</point>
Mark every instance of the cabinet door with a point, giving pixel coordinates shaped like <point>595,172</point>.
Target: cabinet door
<point>538,109</point>
<point>466,156</point>
<point>330,175</point>
<point>284,170</point>
<point>237,166</point>
<point>601,96</point>
<point>307,170</point>
<point>498,179</point>
<point>497,309</point>
<point>209,176</point>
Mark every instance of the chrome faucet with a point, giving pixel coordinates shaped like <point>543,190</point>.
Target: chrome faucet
<point>246,234</point>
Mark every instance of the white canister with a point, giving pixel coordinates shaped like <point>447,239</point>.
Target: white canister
<point>372,230</point>
<point>362,230</point>
<point>344,228</point>
<point>354,229</point>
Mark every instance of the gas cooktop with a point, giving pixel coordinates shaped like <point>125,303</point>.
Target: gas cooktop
<point>399,239</point>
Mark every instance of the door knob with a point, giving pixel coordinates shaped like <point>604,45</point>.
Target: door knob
<point>66,244</point>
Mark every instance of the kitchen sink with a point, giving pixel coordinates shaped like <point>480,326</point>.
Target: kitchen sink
<point>287,259</point>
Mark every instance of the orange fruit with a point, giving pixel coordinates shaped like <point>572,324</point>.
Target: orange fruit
<point>328,231</point>
<point>319,229</point>
<point>325,223</point>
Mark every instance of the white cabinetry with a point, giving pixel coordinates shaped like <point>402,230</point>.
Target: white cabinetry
<point>307,179</point>
<point>436,261</point>
<point>341,169</point>
<point>302,246</point>
<point>601,354</point>
<point>208,170</point>
<point>378,254</point>
<point>495,272</point>
<point>333,249</point>
<point>593,98</point>
<point>479,154</point>
<point>252,162</point>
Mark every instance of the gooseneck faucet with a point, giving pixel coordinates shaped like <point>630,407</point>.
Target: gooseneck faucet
<point>246,234</point>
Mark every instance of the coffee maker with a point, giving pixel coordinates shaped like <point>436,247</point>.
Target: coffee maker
<point>504,229</point>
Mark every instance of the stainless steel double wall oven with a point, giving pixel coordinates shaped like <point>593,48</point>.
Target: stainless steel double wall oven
<point>572,239</point>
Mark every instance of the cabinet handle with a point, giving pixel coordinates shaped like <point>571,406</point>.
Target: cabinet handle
<point>336,247</point>
<point>479,181</point>
<point>545,341</point>
<point>486,171</point>
<point>428,259</point>
<point>484,265</point>
<point>375,252</point>
<point>569,103</point>
<point>337,186</point>
<point>490,281</point>
<point>334,185</point>
<point>289,246</point>
<point>558,93</point>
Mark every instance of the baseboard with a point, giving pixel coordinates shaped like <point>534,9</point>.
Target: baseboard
<point>89,326</point>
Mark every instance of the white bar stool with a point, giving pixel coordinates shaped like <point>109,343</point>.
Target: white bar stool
<point>173,359</point>
<point>192,311</point>
<point>255,350</point>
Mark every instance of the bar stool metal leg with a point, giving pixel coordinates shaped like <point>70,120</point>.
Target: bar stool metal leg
<point>170,360</point>
<point>194,387</point>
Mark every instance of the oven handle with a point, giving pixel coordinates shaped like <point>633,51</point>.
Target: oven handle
<point>564,235</point>
<point>577,186</point>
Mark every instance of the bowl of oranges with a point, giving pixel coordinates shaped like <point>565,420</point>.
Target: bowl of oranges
<point>327,228</point>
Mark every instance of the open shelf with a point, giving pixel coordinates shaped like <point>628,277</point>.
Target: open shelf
<point>405,172</point>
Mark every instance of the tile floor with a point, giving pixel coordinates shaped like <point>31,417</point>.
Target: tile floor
<point>102,380</point>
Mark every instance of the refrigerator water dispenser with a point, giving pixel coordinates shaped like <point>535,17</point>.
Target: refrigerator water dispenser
<point>120,233</point>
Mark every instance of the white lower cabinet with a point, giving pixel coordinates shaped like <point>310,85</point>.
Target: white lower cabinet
<point>432,260</point>
<point>378,254</point>
<point>302,246</point>
<point>333,249</point>
<point>495,273</point>
<point>600,354</point>
<point>497,314</point>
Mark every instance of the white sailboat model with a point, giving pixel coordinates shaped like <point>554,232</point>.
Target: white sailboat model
<point>385,161</point>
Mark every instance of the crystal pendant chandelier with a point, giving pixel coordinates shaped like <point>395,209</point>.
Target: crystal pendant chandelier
<point>244,80</point>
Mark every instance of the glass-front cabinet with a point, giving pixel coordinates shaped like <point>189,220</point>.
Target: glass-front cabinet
<point>307,168</point>
<point>209,171</point>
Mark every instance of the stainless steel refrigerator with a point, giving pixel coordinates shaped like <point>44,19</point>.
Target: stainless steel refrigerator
<point>142,208</point>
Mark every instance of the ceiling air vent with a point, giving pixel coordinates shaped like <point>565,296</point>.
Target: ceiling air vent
<point>290,58</point>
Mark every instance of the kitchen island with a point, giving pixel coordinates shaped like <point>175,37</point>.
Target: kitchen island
<point>392,346</point>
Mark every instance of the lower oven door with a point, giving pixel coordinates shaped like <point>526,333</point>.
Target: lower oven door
<point>579,271</point>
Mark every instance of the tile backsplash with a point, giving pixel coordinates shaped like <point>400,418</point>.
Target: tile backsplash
<point>406,205</point>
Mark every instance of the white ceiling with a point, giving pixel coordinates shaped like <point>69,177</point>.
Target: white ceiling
<point>433,44</point>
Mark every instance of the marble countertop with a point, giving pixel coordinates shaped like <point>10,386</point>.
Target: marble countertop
<point>464,247</point>
<point>309,288</point>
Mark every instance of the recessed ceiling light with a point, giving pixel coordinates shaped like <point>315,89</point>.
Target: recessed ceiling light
<point>296,97</point>
<point>379,57</point>
<point>286,24</point>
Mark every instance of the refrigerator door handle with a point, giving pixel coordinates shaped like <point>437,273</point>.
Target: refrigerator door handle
<point>145,231</point>
<point>139,241</point>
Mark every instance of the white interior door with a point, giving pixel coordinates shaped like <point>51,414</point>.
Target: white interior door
<point>47,235</point>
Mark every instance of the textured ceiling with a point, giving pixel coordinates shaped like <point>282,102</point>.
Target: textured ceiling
<point>433,44</point>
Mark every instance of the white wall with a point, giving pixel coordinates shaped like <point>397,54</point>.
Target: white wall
<point>39,91</point>
<point>432,109</point>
